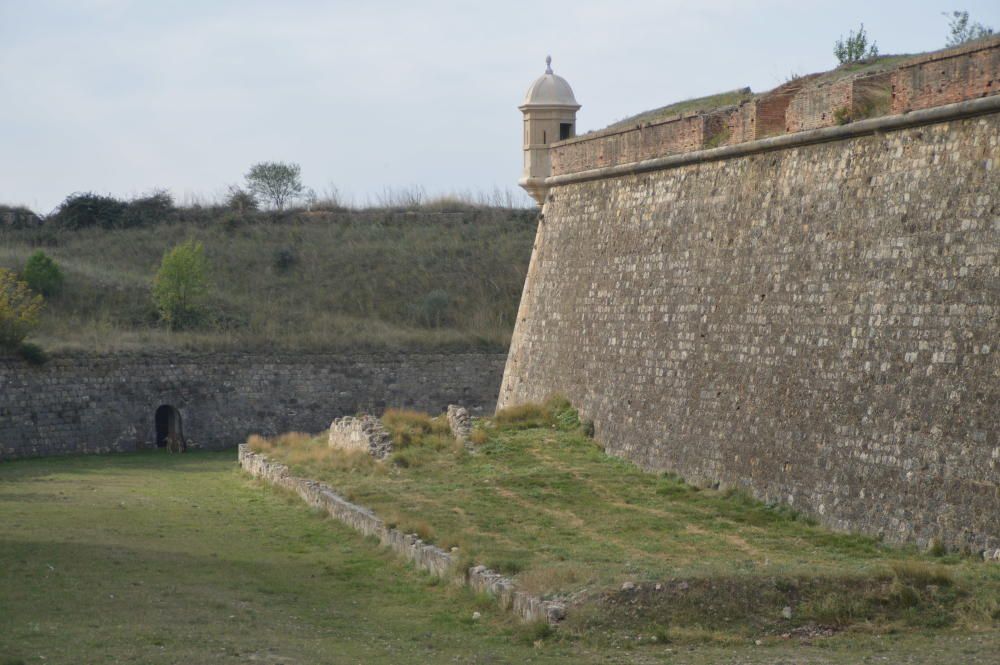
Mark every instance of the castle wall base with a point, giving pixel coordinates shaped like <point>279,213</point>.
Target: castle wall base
<point>816,323</point>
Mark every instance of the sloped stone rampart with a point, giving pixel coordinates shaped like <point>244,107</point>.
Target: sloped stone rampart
<point>816,323</point>
<point>364,433</point>
<point>423,555</point>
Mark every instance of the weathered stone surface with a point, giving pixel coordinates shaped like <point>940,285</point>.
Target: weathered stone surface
<point>423,555</point>
<point>364,433</point>
<point>817,324</point>
<point>460,422</point>
<point>90,404</point>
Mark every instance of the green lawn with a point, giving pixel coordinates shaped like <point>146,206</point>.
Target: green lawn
<point>546,505</point>
<point>156,558</point>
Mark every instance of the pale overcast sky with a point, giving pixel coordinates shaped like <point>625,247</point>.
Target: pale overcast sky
<point>120,96</point>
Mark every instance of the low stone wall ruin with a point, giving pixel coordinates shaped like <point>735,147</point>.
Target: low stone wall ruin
<point>365,433</point>
<point>424,556</point>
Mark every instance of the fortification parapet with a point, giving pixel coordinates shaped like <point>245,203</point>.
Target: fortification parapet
<point>805,103</point>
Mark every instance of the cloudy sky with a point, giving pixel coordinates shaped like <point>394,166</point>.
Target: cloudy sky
<point>122,96</point>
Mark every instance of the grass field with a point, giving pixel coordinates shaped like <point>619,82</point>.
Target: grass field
<point>303,281</point>
<point>542,502</point>
<point>153,558</point>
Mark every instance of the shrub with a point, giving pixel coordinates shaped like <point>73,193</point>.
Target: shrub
<point>19,309</point>
<point>241,200</point>
<point>284,259</point>
<point>181,285</point>
<point>81,211</point>
<point>154,208</point>
<point>88,210</point>
<point>32,353</point>
<point>42,274</point>
<point>432,311</point>
<point>960,30</point>
<point>856,48</point>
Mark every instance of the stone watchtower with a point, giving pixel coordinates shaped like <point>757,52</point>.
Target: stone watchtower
<point>549,111</point>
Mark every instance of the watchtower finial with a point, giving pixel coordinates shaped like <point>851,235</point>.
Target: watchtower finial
<point>548,64</point>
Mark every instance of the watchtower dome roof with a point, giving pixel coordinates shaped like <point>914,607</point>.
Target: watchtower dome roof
<point>550,90</point>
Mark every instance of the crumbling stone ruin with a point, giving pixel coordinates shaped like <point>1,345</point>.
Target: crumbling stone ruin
<point>460,423</point>
<point>361,433</point>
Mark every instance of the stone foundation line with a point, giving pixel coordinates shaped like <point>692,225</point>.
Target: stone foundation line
<point>956,111</point>
<point>423,555</point>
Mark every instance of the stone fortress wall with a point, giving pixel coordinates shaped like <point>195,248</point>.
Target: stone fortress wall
<point>811,317</point>
<point>90,404</point>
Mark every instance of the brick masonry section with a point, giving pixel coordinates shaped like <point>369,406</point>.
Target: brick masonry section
<point>817,324</point>
<point>947,77</point>
<point>93,404</point>
<point>810,102</point>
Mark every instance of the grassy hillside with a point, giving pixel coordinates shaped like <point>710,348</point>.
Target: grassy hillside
<point>298,281</point>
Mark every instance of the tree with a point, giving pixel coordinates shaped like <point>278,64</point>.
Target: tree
<point>42,274</point>
<point>961,31</point>
<point>181,285</point>
<point>276,182</point>
<point>241,200</point>
<point>855,48</point>
<point>19,309</point>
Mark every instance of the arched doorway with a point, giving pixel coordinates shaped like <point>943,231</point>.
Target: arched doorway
<point>168,425</point>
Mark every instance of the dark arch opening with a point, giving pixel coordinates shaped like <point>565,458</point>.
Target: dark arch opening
<point>168,424</point>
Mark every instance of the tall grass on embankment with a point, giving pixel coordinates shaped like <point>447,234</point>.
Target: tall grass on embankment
<point>437,277</point>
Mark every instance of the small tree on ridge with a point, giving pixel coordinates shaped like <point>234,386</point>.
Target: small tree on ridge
<point>276,182</point>
<point>961,31</point>
<point>855,48</point>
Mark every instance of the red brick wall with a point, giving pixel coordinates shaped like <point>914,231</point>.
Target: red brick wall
<point>743,123</point>
<point>967,72</point>
<point>817,105</point>
<point>949,77</point>
<point>632,145</point>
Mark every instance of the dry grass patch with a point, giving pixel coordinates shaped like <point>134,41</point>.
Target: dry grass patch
<point>409,427</point>
<point>301,450</point>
